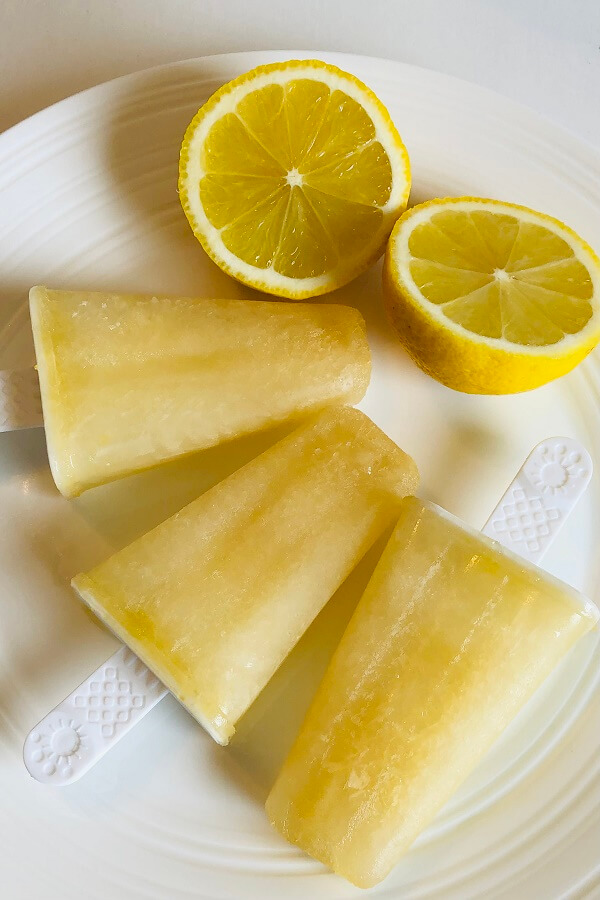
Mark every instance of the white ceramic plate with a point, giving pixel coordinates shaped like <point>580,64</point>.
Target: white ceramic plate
<point>88,199</point>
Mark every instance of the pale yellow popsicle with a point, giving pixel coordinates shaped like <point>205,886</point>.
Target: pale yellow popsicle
<point>130,381</point>
<point>452,636</point>
<point>215,598</point>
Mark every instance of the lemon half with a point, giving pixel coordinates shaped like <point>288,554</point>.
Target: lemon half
<point>292,177</point>
<point>491,297</point>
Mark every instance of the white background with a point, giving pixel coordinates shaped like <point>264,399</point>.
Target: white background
<point>543,53</point>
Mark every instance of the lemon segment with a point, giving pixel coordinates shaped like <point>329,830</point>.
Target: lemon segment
<point>491,297</point>
<point>292,177</point>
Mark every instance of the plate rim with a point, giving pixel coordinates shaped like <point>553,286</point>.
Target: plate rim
<point>259,57</point>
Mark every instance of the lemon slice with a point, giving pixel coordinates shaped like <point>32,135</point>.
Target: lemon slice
<point>292,177</point>
<point>490,297</point>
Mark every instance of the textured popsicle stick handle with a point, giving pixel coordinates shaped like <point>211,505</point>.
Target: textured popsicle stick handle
<point>537,502</point>
<point>20,403</point>
<point>80,730</point>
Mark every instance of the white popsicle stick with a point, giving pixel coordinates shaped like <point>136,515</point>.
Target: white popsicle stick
<point>80,730</point>
<point>20,403</point>
<point>537,502</point>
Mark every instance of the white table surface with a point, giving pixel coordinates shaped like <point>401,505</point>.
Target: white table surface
<point>543,53</point>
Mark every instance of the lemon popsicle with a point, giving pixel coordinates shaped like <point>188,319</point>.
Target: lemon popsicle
<point>214,599</point>
<point>452,636</point>
<point>130,381</point>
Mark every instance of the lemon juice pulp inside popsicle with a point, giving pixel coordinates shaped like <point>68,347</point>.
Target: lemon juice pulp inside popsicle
<point>451,638</point>
<point>130,381</point>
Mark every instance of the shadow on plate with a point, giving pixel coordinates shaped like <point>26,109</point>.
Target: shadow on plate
<point>141,152</point>
<point>124,510</point>
<point>265,734</point>
<point>16,342</point>
<point>23,456</point>
<point>450,480</point>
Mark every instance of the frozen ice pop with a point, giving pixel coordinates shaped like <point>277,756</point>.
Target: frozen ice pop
<point>215,598</point>
<point>130,381</point>
<point>452,636</point>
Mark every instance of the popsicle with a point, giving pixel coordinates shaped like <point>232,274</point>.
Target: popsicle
<point>214,599</point>
<point>130,381</point>
<point>452,636</point>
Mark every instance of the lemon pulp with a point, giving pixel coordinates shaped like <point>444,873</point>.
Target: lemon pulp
<point>501,278</point>
<point>292,177</point>
<point>491,297</point>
